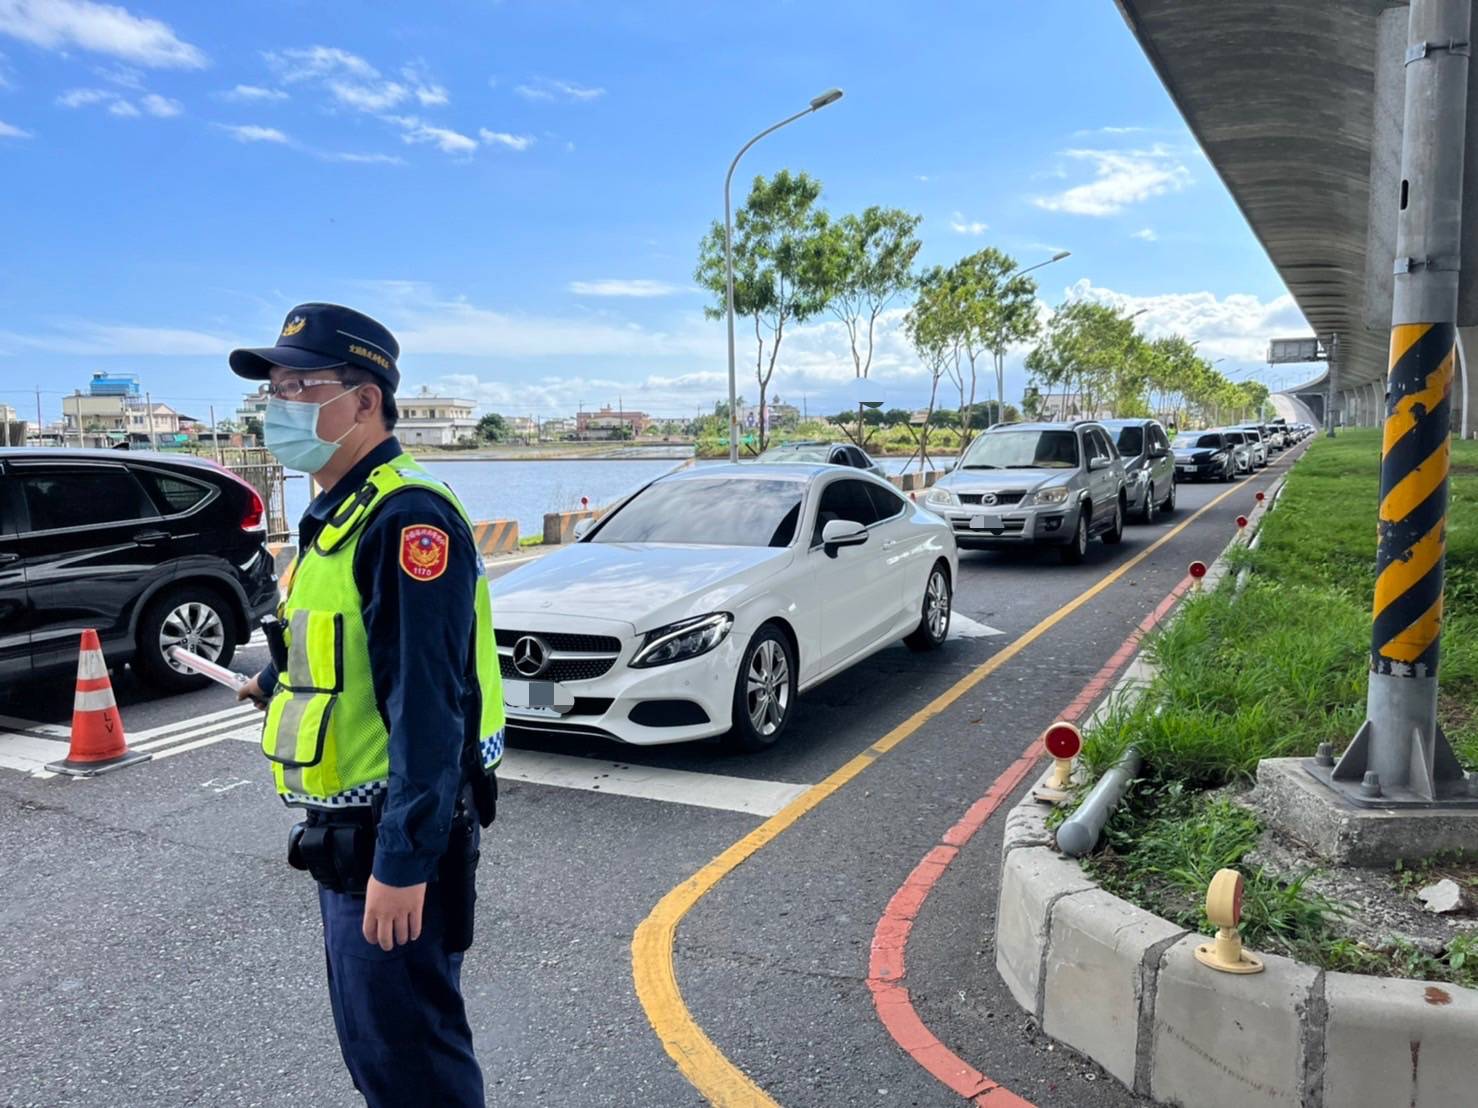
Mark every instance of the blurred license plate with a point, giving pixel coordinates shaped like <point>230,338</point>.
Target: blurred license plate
<point>534,696</point>
<point>986,523</point>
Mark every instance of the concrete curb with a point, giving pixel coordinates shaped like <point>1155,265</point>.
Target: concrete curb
<point>1121,986</point>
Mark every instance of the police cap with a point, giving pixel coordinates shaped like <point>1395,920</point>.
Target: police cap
<point>324,336</point>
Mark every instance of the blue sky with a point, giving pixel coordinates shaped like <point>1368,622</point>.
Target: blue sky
<point>517,188</point>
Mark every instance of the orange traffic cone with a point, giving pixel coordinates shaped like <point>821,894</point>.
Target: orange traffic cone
<point>98,744</point>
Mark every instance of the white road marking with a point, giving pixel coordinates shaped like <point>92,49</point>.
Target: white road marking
<point>963,627</point>
<point>216,784</point>
<point>674,786</point>
<point>28,753</point>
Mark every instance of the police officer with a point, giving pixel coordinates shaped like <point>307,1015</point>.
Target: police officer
<point>384,711</point>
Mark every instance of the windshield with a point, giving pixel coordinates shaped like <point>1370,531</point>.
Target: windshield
<point>1236,438</point>
<point>1198,442</point>
<point>1023,450</point>
<point>1131,441</point>
<point>797,454</point>
<point>716,511</point>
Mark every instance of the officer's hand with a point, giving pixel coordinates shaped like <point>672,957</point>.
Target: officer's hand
<point>252,691</point>
<point>392,913</point>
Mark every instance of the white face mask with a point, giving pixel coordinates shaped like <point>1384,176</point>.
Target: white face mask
<point>290,431</point>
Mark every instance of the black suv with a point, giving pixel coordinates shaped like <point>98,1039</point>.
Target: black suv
<point>151,551</point>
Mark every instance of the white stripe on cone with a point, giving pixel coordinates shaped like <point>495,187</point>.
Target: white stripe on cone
<point>95,700</point>
<point>90,665</point>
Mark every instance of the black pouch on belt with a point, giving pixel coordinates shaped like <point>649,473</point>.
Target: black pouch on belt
<point>457,877</point>
<point>338,850</point>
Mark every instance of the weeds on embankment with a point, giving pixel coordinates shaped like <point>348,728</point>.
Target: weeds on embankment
<point>1273,673</point>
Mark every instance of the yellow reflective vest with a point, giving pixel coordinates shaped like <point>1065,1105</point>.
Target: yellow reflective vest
<point>324,734</point>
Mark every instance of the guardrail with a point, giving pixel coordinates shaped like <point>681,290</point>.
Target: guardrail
<point>913,482</point>
<point>495,536</point>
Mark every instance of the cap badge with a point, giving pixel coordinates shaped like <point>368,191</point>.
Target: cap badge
<point>293,326</point>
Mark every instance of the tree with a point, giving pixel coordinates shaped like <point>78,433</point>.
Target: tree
<point>778,275</point>
<point>866,262</point>
<point>932,327</point>
<point>1087,347</point>
<point>492,428</point>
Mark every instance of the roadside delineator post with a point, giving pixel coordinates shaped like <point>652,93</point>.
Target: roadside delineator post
<point>1224,909</point>
<point>1197,570</point>
<point>1261,496</point>
<point>1241,522</point>
<point>1063,741</point>
<point>585,503</point>
<point>98,744</point>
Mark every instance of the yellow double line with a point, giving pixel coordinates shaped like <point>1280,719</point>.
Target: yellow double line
<point>699,1060</point>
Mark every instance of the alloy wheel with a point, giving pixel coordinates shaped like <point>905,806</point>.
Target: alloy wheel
<point>936,605</point>
<point>767,692</point>
<point>197,628</point>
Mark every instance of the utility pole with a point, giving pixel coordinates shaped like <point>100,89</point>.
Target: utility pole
<point>38,415</point>
<point>215,438</point>
<point>1400,756</point>
<point>149,415</point>
<point>1333,363</point>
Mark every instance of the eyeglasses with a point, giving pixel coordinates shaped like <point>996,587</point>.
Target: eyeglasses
<point>295,387</point>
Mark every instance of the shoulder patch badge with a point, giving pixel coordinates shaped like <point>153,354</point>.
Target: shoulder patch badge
<point>423,552</point>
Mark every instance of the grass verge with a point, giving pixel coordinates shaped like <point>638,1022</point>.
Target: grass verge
<point>1273,673</point>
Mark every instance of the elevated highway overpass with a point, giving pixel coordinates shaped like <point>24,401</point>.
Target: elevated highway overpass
<point>1298,105</point>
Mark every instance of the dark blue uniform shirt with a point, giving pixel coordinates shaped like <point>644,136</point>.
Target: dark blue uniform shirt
<point>420,648</point>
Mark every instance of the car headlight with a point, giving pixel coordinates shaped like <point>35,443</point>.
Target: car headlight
<point>1054,495</point>
<point>1219,456</point>
<point>685,639</point>
<point>942,498</point>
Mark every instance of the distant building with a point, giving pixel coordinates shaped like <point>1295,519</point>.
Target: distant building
<point>522,427</point>
<point>778,415</point>
<point>1069,405</point>
<point>114,384</point>
<point>428,420</point>
<point>608,424</point>
<point>553,430</point>
<point>12,428</point>
<point>253,406</point>
<point>114,417</point>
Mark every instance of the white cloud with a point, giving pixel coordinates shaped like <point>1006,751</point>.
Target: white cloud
<point>544,89</point>
<point>123,108</point>
<point>81,97</point>
<point>318,62</point>
<point>1235,326</point>
<point>250,132</point>
<point>1112,131</point>
<point>428,92</point>
<point>502,138</point>
<point>921,177</point>
<point>161,106</point>
<point>616,287</point>
<point>362,159</point>
<point>1145,233</point>
<point>368,96</point>
<point>100,28</point>
<point>124,76</point>
<point>100,339</point>
<point>961,226</point>
<point>244,94</point>
<point>443,138</point>
<point>1122,178</point>
<point>8,130</point>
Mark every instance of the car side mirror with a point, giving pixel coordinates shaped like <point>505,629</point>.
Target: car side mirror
<point>1097,463</point>
<point>842,532</point>
<point>1159,452</point>
<point>583,528</point>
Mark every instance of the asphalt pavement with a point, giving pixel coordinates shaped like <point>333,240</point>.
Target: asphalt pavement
<point>159,951</point>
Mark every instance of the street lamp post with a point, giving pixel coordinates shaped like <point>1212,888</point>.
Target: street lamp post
<point>1000,355</point>
<point>830,96</point>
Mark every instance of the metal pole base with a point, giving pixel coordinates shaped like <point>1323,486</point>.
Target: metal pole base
<point>1434,776</point>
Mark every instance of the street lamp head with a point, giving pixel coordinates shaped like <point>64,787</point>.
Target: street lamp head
<point>830,96</point>
<point>1061,254</point>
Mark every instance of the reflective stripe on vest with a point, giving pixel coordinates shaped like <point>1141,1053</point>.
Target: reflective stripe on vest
<point>324,733</point>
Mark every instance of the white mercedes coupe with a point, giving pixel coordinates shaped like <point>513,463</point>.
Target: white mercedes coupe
<point>703,603</point>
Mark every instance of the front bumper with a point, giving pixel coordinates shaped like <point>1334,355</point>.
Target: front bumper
<point>675,703</point>
<point>1020,526</point>
<point>1186,471</point>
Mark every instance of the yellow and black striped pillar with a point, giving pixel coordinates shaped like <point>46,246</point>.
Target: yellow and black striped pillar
<point>1407,621</point>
